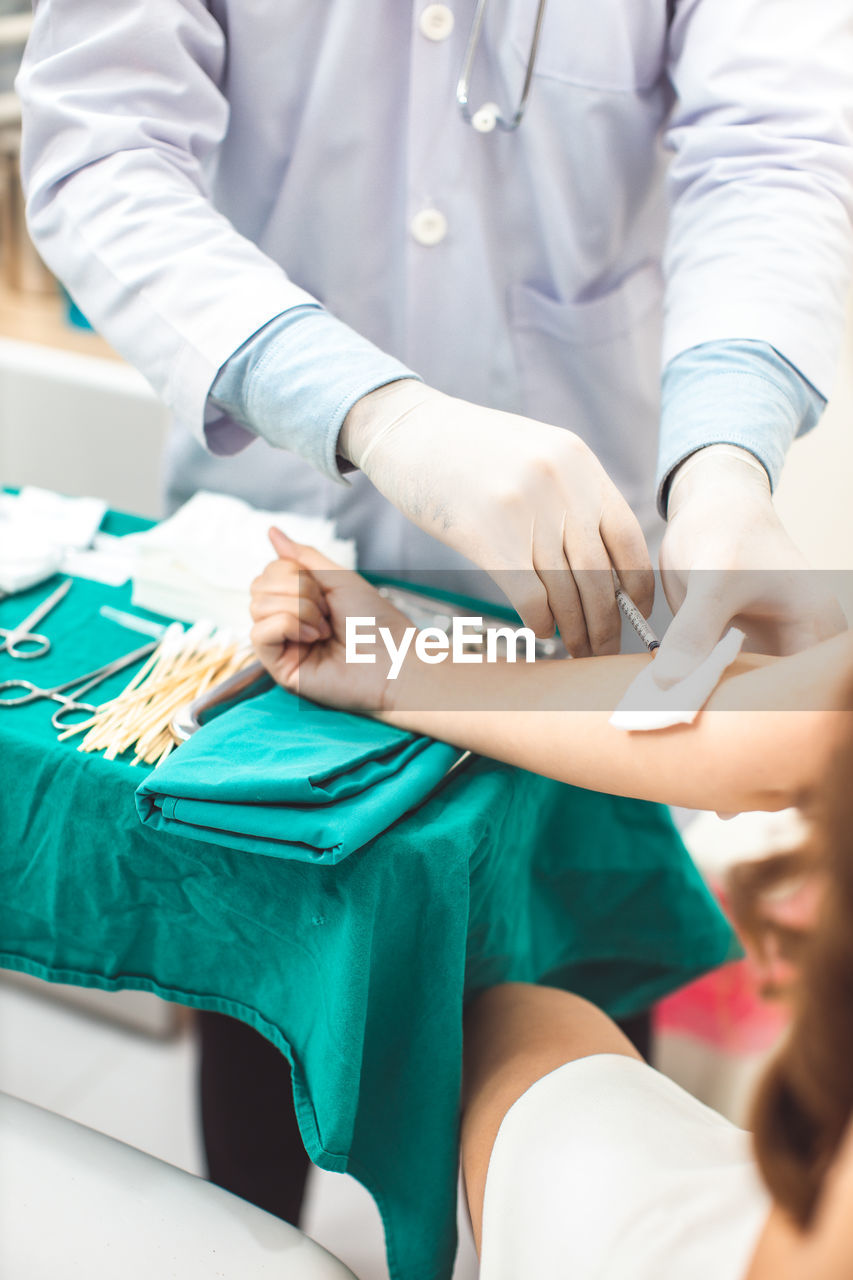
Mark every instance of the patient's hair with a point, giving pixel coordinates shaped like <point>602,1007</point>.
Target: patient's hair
<point>805,1099</point>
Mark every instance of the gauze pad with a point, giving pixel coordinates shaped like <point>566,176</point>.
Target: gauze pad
<point>645,705</point>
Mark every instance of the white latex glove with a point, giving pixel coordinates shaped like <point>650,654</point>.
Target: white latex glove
<point>727,559</point>
<point>510,494</point>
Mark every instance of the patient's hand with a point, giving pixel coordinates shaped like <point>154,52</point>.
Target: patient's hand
<point>300,604</point>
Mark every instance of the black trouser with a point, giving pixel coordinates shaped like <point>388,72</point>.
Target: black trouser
<point>251,1137</point>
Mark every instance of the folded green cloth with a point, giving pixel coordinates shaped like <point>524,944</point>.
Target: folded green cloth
<point>283,776</point>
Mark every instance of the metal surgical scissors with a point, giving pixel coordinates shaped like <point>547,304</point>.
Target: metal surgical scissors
<point>80,684</point>
<point>21,634</point>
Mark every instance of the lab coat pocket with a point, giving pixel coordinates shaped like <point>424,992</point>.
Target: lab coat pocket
<point>613,45</point>
<point>594,367</point>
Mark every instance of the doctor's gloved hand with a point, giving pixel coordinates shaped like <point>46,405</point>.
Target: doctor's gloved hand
<point>527,502</point>
<point>299,606</point>
<point>726,559</point>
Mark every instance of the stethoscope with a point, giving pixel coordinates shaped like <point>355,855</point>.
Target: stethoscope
<point>486,117</point>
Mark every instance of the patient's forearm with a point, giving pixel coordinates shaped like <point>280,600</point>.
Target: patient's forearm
<point>737,755</point>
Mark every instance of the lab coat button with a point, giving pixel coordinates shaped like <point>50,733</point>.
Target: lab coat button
<point>429,226</point>
<point>436,22</point>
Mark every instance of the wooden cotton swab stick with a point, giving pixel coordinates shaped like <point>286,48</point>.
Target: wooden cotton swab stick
<point>117,730</point>
<point>183,666</point>
<point>171,638</point>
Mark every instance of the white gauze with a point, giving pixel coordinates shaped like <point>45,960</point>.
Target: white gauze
<point>645,705</point>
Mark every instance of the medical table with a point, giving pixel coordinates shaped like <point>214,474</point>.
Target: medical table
<point>357,972</point>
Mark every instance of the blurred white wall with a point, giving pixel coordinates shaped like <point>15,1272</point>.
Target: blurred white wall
<point>81,425</point>
<point>815,496</point>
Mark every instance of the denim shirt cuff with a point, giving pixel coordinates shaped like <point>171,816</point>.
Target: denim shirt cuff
<point>294,382</point>
<point>733,392</point>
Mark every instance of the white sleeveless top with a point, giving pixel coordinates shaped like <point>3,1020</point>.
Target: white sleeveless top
<point>607,1170</point>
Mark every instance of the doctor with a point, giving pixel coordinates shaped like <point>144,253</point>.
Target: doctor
<point>285,215</point>
<point>365,295</point>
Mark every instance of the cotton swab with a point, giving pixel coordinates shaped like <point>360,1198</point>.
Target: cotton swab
<point>183,665</point>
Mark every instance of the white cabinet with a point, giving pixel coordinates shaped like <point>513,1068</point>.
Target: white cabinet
<point>79,424</point>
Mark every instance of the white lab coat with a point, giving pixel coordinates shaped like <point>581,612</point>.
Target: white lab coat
<point>193,169</point>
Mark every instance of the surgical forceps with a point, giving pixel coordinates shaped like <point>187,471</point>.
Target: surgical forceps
<point>21,634</point>
<point>80,684</point>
